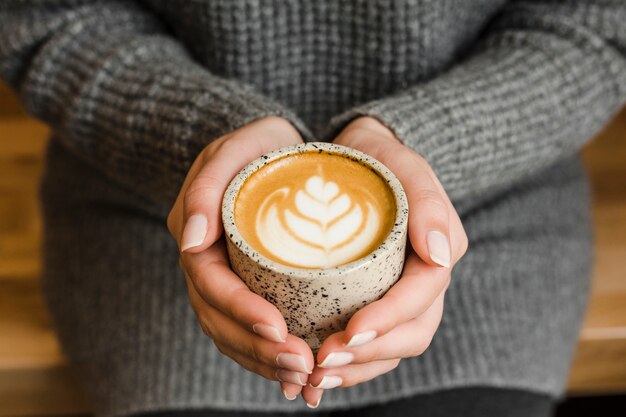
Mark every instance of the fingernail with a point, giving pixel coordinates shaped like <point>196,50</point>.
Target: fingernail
<point>439,248</point>
<point>271,333</point>
<point>288,397</point>
<point>317,403</point>
<point>336,359</point>
<point>329,382</point>
<point>194,232</point>
<point>361,338</point>
<point>292,377</point>
<point>293,362</point>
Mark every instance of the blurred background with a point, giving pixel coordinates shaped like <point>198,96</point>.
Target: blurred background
<point>35,379</point>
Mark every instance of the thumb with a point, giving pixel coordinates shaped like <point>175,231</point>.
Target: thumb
<point>429,211</point>
<point>202,201</point>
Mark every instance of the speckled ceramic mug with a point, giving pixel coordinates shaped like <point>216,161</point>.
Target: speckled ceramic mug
<point>318,302</point>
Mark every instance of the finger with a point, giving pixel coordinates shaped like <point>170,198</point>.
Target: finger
<point>203,197</point>
<point>407,340</point>
<point>175,216</point>
<point>294,354</point>
<point>428,209</point>
<point>458,238</point>
<point>312,396</point>
<point>416,290</point>
<point>346,376</point>
<point>266,371</point>
<point>290,391</point>
<point>220,287</point>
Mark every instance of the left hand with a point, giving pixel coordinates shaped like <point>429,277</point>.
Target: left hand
<point>402,323</point>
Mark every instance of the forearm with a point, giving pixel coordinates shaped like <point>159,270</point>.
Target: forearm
<point>119,92</point>
<point>544,79</point>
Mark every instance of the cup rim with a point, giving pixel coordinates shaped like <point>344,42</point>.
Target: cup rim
<point>230,196</point>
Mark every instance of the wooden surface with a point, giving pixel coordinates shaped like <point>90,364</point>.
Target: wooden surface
<point>36,380</point>
<point>600,362</point>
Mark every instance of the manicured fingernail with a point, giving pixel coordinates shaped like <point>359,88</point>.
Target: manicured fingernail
<point>361,338</point>
<point>336,359</point>
<point>329,382</point>
<point>288,397</point>
<point>293,362</point>
<point>271,333</point>
<point>317,403</point>
<point>292,377</point>
<point>439,248</point>
<point>194,232</point>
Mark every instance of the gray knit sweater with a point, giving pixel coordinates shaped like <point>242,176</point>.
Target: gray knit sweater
<point>498,96</point>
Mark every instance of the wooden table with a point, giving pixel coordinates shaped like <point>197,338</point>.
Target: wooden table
<point>35,378</point>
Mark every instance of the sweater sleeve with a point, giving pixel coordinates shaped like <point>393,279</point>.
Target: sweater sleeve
<point>119,92</point>
<point>542,80</point>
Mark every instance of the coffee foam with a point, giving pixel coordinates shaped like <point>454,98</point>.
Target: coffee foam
<point>315,210</point>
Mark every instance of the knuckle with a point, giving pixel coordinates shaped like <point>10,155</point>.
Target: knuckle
<point>388,153</point>
<point>464,243</point>
<point>271,373</point>
<point>352,138</point>
<point>170,223</point>
<point>206,327</point>
<point>259,369</point>
<point>266,372</point>
<point>414,351</point>
<point>420,347</point>
<point>230,144</point>
<point>214,147</point>
<point>254,352</point>
<point>199,188</point>
<point>430,198</point>
<point>408,157</point>
<point>357,132</point>
<point>373,353</point>
<point>233,307</point>
<point>221,348</point>
<point>244,144</point>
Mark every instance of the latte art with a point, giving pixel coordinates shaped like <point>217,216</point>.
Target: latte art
<point>322,228</point>
<point>314,210</point>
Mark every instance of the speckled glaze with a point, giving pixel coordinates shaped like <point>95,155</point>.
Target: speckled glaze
<point>318,302</point>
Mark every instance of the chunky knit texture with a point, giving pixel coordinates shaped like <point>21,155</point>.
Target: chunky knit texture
<point>498,97</point>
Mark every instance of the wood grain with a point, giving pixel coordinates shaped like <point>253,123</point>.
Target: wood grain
<point>35,378</point>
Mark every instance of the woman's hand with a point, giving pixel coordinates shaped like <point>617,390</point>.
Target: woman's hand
<point>402,323</point>
<point>243,325</point>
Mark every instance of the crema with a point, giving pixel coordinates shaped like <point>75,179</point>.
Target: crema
<point>315,210</point>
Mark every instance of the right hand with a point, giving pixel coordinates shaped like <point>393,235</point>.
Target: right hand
<point>243,325</point>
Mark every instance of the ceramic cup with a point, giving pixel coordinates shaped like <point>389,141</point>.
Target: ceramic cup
<point>318,302</point>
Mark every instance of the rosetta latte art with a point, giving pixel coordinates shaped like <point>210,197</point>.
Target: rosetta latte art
<point>318,226</point>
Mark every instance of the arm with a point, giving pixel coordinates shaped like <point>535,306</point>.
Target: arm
<point>546,76</point>
<point>124,96</point>
<point>119,92</point>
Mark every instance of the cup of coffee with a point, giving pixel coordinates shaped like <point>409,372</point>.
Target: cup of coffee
<point>317,229</point>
